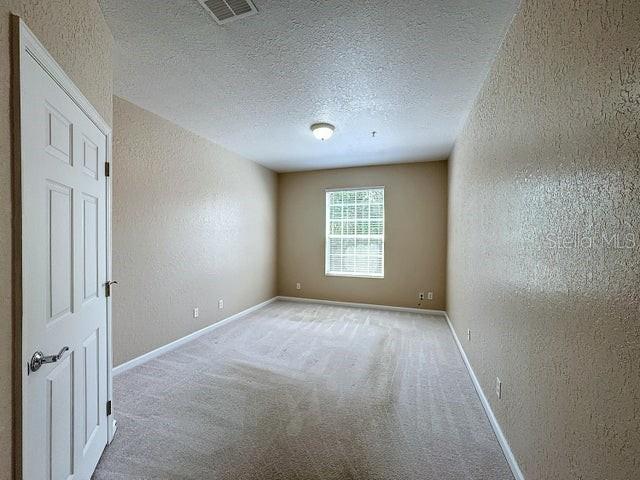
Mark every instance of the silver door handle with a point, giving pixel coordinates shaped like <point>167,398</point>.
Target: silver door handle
<point>38,359</point>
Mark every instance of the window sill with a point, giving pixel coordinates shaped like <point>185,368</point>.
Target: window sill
<point>353,275</point>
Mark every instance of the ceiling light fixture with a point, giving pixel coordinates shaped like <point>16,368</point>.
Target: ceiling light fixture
<point>322,131</point>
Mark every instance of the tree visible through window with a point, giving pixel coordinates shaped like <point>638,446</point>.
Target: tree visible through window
<point>355,232</point>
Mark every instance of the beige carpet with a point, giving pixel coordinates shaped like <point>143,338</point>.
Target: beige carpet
<point>305,391</point>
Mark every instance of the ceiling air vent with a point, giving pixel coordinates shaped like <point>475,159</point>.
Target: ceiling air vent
<point>225,11</point>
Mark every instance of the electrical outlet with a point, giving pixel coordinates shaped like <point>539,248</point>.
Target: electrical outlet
<point>196,312</point>
<point>421,296</point>
<point>498,388</point>
<point>430,296</point>
<point>298,286</point>
<point>220,304</point>
<point>468,334</point>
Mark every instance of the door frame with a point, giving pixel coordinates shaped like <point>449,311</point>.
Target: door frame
<point>24,43</point>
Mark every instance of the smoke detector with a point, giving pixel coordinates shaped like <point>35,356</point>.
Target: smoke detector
<point>225,11</point>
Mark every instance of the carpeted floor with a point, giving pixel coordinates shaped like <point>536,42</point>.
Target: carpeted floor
<point>305,391</point>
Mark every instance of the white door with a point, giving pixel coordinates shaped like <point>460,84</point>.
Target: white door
<point>63,275</point>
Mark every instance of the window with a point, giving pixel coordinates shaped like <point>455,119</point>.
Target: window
<point>355,232</point>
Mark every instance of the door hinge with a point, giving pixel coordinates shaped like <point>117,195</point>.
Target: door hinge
<point>108,408</point>
<point>107,288</point>
<point>107,169</point>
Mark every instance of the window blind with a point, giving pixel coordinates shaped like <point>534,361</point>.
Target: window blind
<point>355,232</point>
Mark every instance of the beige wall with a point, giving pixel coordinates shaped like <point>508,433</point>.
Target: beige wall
<point>77,36</point>
<point>192,223</point>
<point>552,150</point>
<point>415,234</point>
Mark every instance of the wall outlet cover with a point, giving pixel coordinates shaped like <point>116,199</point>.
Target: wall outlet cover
<point>220,304</point>
<point>298,286</point>
<point>196,312</point>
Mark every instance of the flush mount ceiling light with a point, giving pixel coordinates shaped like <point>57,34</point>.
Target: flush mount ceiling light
<point>322,131</point>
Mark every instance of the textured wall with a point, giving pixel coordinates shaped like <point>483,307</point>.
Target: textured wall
<point>192,223</point>
<point>415,234</point>
<point>77,36</point>
<point>544,232</point>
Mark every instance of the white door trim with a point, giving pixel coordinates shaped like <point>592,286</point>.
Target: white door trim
<point>26,44</point>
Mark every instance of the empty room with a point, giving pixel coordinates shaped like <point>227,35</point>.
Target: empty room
<point>320,240</point>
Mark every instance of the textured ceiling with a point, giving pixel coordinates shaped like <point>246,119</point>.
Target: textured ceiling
<point>409,70</point>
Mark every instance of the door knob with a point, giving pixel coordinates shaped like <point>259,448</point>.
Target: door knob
<point>38,359</point>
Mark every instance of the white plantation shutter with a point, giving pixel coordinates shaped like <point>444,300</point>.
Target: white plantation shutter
<point>355,232</point>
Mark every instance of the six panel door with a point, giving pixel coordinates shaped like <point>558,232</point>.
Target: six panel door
<point>64,273</point>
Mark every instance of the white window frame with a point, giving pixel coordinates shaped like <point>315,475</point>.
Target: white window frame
<point>328,236</point>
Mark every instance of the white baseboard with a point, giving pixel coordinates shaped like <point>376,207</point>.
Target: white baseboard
<point>506,449</point>
<point>364,305</point>
<point>114,428</point>
<point>176,343</point>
